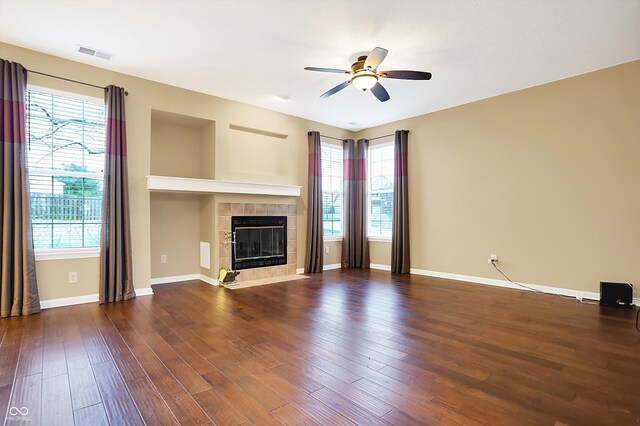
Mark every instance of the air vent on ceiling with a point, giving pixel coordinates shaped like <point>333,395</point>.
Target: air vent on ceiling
<point>93,52</point>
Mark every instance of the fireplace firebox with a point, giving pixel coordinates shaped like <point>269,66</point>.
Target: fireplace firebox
<point>259,241</point>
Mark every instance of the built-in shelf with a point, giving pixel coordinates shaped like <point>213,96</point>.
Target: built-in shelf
<point>258,131</point>
<point>180,184</point>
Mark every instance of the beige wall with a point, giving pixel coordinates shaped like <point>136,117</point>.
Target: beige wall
<point>208,233</point>
<point>252,157</point>
<point>55,275</point>
<point>175,150</point>
<point>145,96</point>
<point>335,252</point>
<point>380,252</point>
<point>207,151</point>
<point>546,177</point>
<point>175,232</point>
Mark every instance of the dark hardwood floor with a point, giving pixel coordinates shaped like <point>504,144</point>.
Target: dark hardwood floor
<point>341,348</point>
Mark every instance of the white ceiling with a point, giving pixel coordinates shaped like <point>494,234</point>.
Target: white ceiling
<point>255,50</point>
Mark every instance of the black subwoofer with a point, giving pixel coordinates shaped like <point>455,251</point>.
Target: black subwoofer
<point>616,294</point>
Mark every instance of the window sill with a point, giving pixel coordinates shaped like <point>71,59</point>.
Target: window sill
<point>380,239</point>
<point>333,239</point>
<point>59,254</point>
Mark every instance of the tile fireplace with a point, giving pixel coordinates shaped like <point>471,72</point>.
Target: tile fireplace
<point>227,211</point>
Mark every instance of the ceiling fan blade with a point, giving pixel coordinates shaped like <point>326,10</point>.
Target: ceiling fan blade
<point>406,75</point>
<point>336,89</point>
<point>376,56</point>
<point>334,70</point>
<point>380,92</point>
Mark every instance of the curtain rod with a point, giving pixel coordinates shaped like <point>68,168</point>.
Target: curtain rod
<point>371,139</point>
<point>329,137</point>
<point>72,81</point>
<point>380,137</point>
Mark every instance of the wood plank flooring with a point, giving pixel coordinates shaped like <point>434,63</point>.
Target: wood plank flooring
<point>341,348</point>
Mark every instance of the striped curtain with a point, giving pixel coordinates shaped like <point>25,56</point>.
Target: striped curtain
<point>116,267</point>
<point>314,254</point>
<point>18,289</point>
<point>355,245</point>
<point>400,259</point>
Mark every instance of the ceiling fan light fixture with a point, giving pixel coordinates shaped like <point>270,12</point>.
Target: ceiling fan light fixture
<point>364,75</point>
<point>364,80</point>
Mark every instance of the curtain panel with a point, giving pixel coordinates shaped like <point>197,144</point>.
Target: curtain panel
<point>116,267</point>
<point>400,256</point>
<point>19,288</point>
<point>355,245</point>
<point>314,253</point>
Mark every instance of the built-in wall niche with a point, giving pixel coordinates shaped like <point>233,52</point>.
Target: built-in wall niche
<point>258,155</point>
<point>182,146</point>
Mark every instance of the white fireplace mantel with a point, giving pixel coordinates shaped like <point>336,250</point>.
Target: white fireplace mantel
<point>211,186</point>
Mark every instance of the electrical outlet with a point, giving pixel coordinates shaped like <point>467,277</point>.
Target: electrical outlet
<point>326,249</point>
<point>73,277</point>
<point>492,258</point>
<point>163,258</point>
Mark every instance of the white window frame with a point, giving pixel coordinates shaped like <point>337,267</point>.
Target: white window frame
<point>380,239</point>
<point>65,253</point>
<point>339,237</point>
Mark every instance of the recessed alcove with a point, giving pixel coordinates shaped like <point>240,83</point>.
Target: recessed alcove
<point>182,147</point>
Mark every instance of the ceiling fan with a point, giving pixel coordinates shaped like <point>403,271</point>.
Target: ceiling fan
<point>364,75</point>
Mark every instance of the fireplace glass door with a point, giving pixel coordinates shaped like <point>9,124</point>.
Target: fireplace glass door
<point>259,241</point>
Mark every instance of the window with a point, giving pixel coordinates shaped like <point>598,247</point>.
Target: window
<point>66,159</point>
<point>332,190</point>
<point>380,187</point>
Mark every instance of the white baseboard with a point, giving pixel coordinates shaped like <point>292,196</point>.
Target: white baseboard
<point>380,267</point>
<point>578,294</point>
<point>208,280</point>
<point>68,301</point>
<point>181,278</point>
<point>175,279</point>
<point>300,271</point>
<point>148,291</point>
<point>87,298</point>
<point>507,284</point>
<point>339,266</point>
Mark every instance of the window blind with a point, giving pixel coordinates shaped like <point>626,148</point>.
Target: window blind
<point>380,185</point>
<point>66,140</point>
<point>331,190</point>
